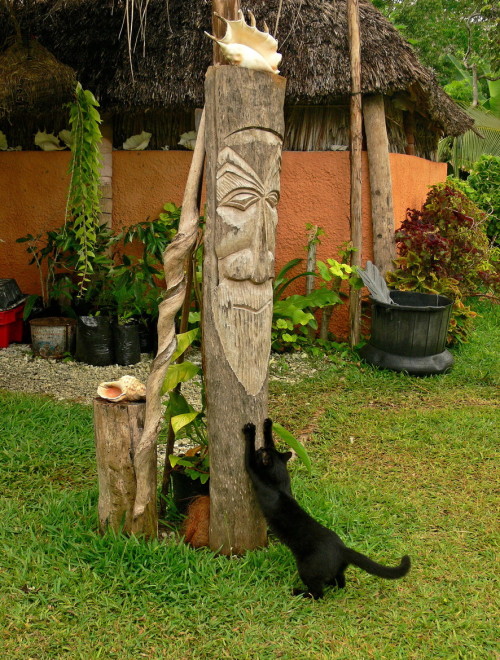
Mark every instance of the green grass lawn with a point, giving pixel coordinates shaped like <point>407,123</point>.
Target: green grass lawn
<point>400,465</point>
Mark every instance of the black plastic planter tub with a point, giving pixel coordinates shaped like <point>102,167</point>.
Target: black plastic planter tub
<point>127,343</point>
<point>410,336</point>
<point>94,341</point>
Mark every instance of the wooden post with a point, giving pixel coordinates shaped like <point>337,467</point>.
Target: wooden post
<point>384,246</point>
<point>312,241</point>
<point>409,126</point>
<point>356,143</point>
<point>229,9</point>
<point>106,149</point>
<point>117,429</point>
<point>244,135</point>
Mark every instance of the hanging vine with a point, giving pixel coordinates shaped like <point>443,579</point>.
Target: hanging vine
<point>84,195</point>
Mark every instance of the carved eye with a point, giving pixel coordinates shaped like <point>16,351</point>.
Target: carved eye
<point>273,198</point>
<point>240,199</point>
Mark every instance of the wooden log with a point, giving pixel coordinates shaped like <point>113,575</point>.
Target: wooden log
<point>244,135</point>
<point>117,430</point>
<point>356,144</point>
<point>384,246</point>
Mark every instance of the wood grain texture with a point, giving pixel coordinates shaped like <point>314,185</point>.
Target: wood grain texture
<point>384,246</point>
<point>145,519</point>
<point>243,140</point>
<point>356,143</point>
<point>117,429</point>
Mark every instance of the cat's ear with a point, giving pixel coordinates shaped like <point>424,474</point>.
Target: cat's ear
<point>286,456</point>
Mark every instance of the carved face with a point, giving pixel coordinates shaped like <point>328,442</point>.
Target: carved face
<point>244,246</point>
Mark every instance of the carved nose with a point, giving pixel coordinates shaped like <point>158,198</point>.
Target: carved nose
<point>263,258</point>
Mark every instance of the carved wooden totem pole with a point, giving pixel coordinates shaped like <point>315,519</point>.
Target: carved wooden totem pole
<point>244,135</point>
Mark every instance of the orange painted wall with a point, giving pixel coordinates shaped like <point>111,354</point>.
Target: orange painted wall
<point>33,189</point>
<point>314,189</point>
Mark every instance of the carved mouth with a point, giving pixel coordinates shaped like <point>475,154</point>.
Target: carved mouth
<point>251,309</point>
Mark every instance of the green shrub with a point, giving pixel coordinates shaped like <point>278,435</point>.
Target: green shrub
<point>483,188</point>
<point>443,248</point>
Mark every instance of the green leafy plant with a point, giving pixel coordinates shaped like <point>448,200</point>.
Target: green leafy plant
<point>334,275</point>
<point>55,255</point>
<point>83,204</point>
<point>443,249</point>
<point>294,321</point>
<point>483,188</point>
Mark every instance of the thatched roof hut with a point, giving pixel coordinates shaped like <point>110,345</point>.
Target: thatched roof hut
<point>167,82</point>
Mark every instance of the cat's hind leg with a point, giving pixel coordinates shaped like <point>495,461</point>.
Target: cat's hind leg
<point>313,581</point>
<point>314,590</point>
<point>338,581</point>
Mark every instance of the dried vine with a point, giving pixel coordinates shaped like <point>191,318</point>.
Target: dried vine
<point>174,259</point>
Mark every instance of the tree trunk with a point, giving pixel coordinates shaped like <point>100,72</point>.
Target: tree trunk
<point>475,86</point>
<point>117,428</point>
<point>356,144</point>
<point>384,247</point>
<point>244,135</point>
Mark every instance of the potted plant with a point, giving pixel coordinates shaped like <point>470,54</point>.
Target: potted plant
<point>51,314</point>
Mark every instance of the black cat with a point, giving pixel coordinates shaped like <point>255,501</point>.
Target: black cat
<point>320,554</point>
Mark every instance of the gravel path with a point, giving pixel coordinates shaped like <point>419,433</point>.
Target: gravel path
<point>20,371</point>
<point>75,381</point>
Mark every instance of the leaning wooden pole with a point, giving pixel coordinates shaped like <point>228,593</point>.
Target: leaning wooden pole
<point>384,246</point>
<point>244,136</point>
<point>145,519</point>
<point>356,143</point>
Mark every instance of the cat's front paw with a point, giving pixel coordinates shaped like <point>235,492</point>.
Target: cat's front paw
<point>268,424</point>
<point>249,428</point>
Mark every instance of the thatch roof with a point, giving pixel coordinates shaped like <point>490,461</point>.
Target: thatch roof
<point>31,79</point>
<point>312,35</point>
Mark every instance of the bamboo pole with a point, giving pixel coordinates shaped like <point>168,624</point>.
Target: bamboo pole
<point>356,140</point>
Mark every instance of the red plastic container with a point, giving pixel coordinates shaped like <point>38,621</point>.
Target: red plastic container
<point>11,325</point>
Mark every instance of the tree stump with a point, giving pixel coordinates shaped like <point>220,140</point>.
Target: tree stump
<point>117,429</point>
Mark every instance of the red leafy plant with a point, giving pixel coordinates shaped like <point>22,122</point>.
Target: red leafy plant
<point>443,248</point>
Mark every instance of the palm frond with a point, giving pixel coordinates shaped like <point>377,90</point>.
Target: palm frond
<point>463,151</point>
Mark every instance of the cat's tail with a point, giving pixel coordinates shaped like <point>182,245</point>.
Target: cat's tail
<point>370,566</point>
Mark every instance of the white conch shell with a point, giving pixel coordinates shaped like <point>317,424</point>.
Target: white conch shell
<point>245,46</point>
<point>126,388</point>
